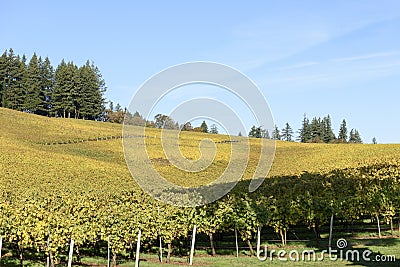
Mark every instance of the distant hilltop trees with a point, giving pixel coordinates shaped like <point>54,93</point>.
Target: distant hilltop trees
<point>315,131</point>
<point>71,91</point>
<point>37,87</point>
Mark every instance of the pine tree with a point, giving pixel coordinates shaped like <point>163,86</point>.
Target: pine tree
<point>187,126</point>
<point>91,89</point>
<point>214,129</point>
<point>328,136</point>
<point>255,132</point>
<point>351,136</point>
<point>355,137</point>
<point>204,127</point>
<point>65,95</point>
<point>316,130</point>
<point>287,133</point>
<point>342,136</point>
<point>32,86</point>
<point>276,135</point>
<point>305,130</point>
<point>3,70</point>
<point>137,119</point>
<point>46,86</point>
<point>265,134</point>
<point>13,91</point>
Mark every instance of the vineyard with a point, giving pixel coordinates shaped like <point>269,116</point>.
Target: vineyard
<point>63,179</point>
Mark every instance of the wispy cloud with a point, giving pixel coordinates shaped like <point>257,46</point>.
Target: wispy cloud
<point>367,56</point>
<point>297,66</point>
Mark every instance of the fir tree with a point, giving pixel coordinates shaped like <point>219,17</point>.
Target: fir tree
<point>65,95</point>
<point>355,137</point>
<point>287,133</point>
<point>265,134</point>
<point>92,88</point>
<point>214,129</point>
<point>342,136</point>
<point>3,70</point>
<point>276,135</point>
<point>187,126</point>
<point>46,71</point>
<point>305,130</point>
<point>316,130</point>
<point>204,127</point>
<point>328,136</point>
<point>255,132</point>
<point>13,95</point>
<point>32,86</point>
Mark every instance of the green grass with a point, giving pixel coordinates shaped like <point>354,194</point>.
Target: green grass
<point>389,246</point>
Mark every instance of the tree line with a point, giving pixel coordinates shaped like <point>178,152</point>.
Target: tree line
<point>161,121</point>
<point>315,131</point>
<point>37,87</point>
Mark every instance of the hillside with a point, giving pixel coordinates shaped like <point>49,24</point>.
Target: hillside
<point>42,151</point>
<point>56,153</point>
<point>63,179</point>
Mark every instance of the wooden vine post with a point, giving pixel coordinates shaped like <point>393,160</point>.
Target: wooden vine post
<point>330,232</point>
<point>236,243</point>
<point>258,240</point>
<point>71,251</point>
<point>138,249</point>
<point>192,248</point>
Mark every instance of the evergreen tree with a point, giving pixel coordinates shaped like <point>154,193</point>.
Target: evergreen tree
<point>32,86</point>
<point>328,136</point>
<point>351,136</point>
<point>240,134</point>
<point>14,72</point>
<point>276,135</point>
<point>305,130</point>
<point>265,134</point>
<point>46,71</point>
<point>342,136</point>
<point>3,70</point>
<point>374,141</point>
<point>187,126</point>
<point>287,133</point>
<point>137,119</point>
<point>66,98</point>
<point>91,89</point>
<point>68,92</point>
<point>316,130</point>
<point>255,132</point>
<point>214,129</point>
<point>204,127</point>
<point>355,137</point>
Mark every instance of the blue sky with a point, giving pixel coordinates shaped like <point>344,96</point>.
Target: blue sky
<point>317,57</point>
